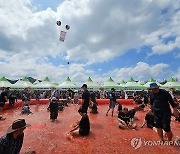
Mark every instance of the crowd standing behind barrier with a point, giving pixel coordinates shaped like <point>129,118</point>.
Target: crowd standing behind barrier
<point>138,96</point>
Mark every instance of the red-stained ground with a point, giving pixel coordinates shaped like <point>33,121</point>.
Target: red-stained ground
<point>46,137</point>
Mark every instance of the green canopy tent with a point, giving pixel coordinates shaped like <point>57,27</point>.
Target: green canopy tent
<point>151,80</point>
<point>91,84</point>
<point>171,83</point>
<point>4,82</point>
<point>45,84</point>
<point>132,84</point>
<point>21,84</point>
<point>67,84</point>
<point>111,84</point>
<point>122,82</point>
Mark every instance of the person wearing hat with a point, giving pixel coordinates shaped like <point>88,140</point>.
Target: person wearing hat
<point>83,126</point>
<point>160,100</point>
<point>86,99</point>
<point>11,142</point>
<point>112,97</point>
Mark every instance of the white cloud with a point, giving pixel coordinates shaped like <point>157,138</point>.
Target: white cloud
<point>142,71</point>
<point>100,31</point>
<point>168,28</point>
<point>96,26</point>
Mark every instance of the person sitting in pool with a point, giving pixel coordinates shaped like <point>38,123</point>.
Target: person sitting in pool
<point>125,119</point>
<point>83,126</point>
<point>174,118</point>
<point>132,112</point>
<point>94,108</point>
<point>149,120</point>
<point>26,109</point>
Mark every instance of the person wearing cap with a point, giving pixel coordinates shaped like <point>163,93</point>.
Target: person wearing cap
<point>86,99</point>
<point>159,100</point>
<point>11,142</point>
<point>3,100</point>
<point>112,97</point>
<point>83,126</point>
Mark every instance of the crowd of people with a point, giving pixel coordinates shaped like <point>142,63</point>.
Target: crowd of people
<point>162,107</point>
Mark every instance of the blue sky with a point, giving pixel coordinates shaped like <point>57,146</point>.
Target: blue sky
<point>106,38</point>
<point>44,4</point>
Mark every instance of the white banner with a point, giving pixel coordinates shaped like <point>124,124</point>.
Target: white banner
<point>62,36</point>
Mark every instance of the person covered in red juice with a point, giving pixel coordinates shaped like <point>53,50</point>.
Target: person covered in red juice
<point>83,126</point>
<point>125,118</point>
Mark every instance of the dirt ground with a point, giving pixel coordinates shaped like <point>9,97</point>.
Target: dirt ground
<point>46,137</point>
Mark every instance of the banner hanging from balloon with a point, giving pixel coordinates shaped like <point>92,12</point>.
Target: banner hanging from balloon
<point>62,36</point>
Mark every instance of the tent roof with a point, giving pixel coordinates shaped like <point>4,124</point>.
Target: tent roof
<point>4,82</point>
<point>147,85</point>
<point>68,79</point>
<point>3,79</point>
<point>110,79</point>
<point>172,85</point>
<point>25,79</point>
<point>67,84</point>
<point>151,80</point>
<point>132,84</point>
<point>44,84</point>
<point>91,84</point>
<point>131,80</point>
<point>89,80</point>
<point>46,79</point>
<point>111,84</point>
<point>22,84</point>
<point>171,80</point>
<point>122,82</point>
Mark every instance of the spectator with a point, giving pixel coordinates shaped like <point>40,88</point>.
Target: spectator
<point>3,100</point>
<point>11,142</point>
